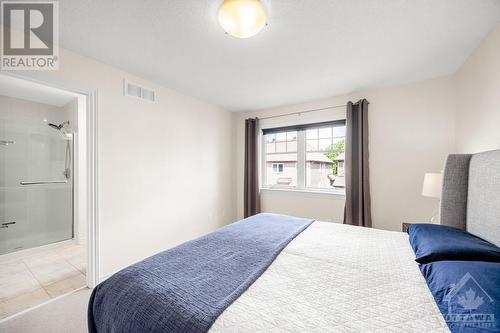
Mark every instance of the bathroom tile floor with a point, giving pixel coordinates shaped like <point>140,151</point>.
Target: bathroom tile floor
<point>36,278</point>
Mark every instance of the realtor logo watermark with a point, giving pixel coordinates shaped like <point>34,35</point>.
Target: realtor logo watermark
<point>30,35</point>
<point>469,305</point>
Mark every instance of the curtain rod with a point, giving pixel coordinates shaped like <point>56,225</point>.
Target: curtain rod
<point>306,111</point>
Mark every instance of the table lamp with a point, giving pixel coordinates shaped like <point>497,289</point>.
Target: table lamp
<point>433,183</point>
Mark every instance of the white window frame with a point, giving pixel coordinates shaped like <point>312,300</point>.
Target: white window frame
<point>301,165</point>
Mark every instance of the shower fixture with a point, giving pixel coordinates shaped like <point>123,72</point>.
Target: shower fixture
<point>68,134</point>
<point>6,142</point>
<point>60,126</point>
<point>63,128</point>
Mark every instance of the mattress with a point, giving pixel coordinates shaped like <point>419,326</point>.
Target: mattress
<point>338,278</point>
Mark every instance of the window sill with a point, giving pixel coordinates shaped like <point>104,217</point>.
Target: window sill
<point>335,193</point>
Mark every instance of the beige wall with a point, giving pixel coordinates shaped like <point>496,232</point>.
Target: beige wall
<point>153,194</point>
<point>411,130</point>
<point>478,98</point>
<point>320,206</point>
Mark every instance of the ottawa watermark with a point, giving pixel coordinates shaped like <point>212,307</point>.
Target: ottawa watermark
<point>469,305</point>
<point>30,35</point>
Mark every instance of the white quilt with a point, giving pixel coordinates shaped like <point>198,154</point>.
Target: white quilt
<point>338,278</point>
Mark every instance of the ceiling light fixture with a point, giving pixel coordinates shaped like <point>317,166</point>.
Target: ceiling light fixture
<point>242,18</point>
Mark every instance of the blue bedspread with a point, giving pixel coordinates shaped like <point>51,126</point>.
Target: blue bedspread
<point>186,288</point>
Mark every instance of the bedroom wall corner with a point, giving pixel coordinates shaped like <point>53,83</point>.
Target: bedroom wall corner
<point>478,98</point>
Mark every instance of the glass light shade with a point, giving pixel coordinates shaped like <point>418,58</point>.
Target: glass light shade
<point>242,18</point>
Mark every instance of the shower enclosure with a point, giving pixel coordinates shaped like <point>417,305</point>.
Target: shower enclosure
<point>36,183</point>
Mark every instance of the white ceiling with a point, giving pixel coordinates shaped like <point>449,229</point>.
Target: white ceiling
<point>31,91</point>
<point>310,49</point>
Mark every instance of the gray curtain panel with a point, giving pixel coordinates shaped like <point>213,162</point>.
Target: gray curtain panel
<point>357,206</point>
<point>251,186</point>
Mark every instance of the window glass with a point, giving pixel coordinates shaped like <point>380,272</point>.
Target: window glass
<point>291,146</point>
<point>271,147</point>
<point>281,147</point>
<point>325,162</point>
<point>291,136</point>
<point>270,137</point>
<point>323,151</point>
<point>325,132</point>
<point>312,145</point>
<point>324,144</point>
<point>337,141</point>
<point>281,136</point>
<point>339,132</point>
<point>281,159</point>
<point>312,133</point>
<point>278,167</point>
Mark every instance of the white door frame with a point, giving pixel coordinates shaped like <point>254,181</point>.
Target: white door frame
<point>93,262</point>
<point>92,144</point>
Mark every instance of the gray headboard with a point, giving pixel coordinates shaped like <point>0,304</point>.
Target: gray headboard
<point>471,194</point>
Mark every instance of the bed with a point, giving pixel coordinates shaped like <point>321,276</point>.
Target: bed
<point>273,273</point>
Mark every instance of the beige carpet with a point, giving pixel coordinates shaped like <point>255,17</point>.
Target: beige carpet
<point>67,314</point>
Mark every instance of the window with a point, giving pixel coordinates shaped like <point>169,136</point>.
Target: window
<point>304,157</point>
<point>278,167</point>
<point>324,155</point>
<point>280,159</point>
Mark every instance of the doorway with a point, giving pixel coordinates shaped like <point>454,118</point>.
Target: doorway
<point>46,241</point>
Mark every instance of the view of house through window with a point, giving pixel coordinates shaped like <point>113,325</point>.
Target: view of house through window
<point>281,158</point>
<point>308,157</point>
<point>325,157</point>
<point>278,167</point>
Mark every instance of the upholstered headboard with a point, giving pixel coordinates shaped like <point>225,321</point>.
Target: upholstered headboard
<point>471,194</point>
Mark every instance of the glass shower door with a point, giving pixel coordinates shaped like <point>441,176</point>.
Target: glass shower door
<point>36,185</point>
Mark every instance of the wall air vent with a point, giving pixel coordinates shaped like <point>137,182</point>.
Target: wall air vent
<point>135,90</point>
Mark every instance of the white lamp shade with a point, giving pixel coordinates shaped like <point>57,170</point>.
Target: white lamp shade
<point>433,183</point>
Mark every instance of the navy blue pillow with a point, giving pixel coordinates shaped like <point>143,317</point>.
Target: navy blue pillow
<point>467,294</point>
<point>434,242</point>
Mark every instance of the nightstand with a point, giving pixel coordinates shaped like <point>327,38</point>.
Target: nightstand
<point>404,226</point>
